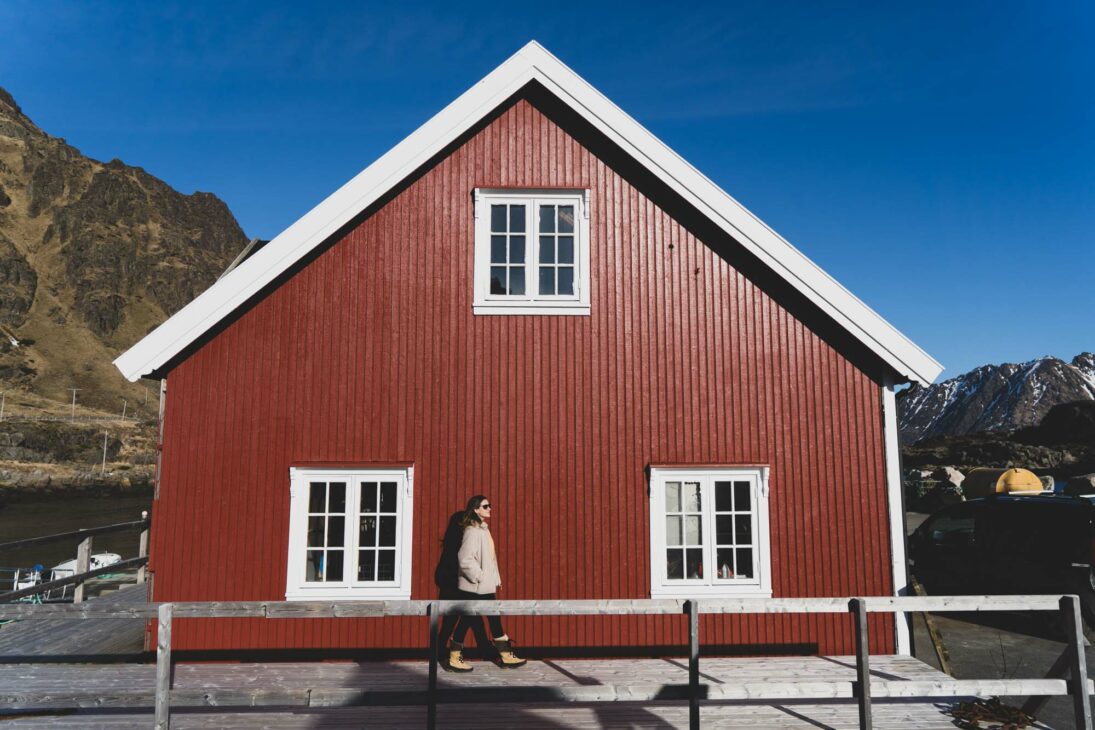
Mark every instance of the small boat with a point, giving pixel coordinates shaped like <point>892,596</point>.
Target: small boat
<point>27,577</point>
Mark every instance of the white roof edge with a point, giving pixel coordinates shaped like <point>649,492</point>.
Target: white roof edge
<point>533,61</point>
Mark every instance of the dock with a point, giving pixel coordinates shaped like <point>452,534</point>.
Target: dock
<point>337,695</point>
<point>96,640</point>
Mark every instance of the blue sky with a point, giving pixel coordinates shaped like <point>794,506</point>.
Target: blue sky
<point>936,158</point>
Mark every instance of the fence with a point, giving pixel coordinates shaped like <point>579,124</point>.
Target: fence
<point>83,571</point>
<point>864,689</point>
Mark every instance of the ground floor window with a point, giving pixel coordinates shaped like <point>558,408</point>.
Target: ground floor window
<point>349,533</point>
<point>709,532</point>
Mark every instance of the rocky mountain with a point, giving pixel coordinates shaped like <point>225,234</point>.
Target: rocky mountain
<point>92,256</point>
<point>995,398</point>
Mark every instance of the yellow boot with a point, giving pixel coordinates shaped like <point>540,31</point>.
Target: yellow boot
<point>456,661</point>
<point>506,655</point>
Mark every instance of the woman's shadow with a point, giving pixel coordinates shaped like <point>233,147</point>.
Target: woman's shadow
<point>445,576</point>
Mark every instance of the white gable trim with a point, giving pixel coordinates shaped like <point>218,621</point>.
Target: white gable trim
<point>532,62</point>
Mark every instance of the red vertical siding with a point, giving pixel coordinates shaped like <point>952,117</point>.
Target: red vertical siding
<point>371,353</point>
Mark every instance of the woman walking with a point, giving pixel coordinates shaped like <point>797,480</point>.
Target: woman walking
<point>479,580</point>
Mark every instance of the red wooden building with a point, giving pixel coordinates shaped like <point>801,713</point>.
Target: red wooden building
<point>533,298</point>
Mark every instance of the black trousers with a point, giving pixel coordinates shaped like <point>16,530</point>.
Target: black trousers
<point>458,626</point>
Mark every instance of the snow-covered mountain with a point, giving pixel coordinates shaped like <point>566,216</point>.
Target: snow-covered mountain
<point>995,397</point>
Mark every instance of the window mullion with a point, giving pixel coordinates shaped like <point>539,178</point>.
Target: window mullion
<point>353,515</point>
<point>708,493</point>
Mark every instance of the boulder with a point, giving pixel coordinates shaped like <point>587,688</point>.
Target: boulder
<point>1084,484</point>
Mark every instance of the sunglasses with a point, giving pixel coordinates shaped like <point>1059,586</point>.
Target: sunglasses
<point>484,506</point>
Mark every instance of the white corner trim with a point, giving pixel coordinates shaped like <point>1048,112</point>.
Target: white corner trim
<point>532,62</point>
<point>898,562</point>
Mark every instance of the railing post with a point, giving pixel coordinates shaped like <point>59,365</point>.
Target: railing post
<point>142,552</point>
<point>693,665</point>
<point>83,564</point>
<point>431,691</point>
<point>163,668</point>
<point>1077,661</point>
<point>858,608</point>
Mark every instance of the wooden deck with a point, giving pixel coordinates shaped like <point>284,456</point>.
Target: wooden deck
<point>68,641</point>
<point>322,691</point>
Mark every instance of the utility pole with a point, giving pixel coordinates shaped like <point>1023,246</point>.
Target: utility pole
<point>74,402</point>
<point>3,398</point>
<point>104,452</point>
<point>124,403</point>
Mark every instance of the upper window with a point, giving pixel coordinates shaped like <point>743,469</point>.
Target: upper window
<point>709,532</point>
<point>531,252</point>
<point>349,533</point>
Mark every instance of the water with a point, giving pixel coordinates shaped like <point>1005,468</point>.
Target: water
<point>20,520</point>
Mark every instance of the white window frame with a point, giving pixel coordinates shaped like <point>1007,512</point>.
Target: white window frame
<point>296,587</point>
<point>483,302</point>
<point>760,586</point>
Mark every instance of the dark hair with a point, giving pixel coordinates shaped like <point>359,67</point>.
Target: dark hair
<point>470,518</point>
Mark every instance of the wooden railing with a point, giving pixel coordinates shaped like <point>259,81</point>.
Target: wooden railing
<point>83,570</point>
<point>864,689</point>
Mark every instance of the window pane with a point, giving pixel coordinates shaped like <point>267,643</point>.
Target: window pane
<point>566,249</point>
<point>673,530</point>
<point>366,565</point>
<point>387,532</point>
<point>498,249</point>
<point>498,218</point>
<point>366,534</point>
<point>387,497</point>
<point>725,559</point>
<point>724,530</point>
<point>692,497</point>
<point>566,279</point>
<point>517,249</point>
<point>317,497</point>
<point>743,530</point>
<point>313,570</point>
<point>694,563</point>
<point>566,218</point>
<point>517,218</point>
<point>547,219</point>
<point>672,496</point>
<point>723,495</point>
<point>315,531</point>
<point>693,535</point>
<point>334,565</point>
<point>368,496</point>
<point>547,249</point>
<point>674,564</point>
<point>497,280</point>
<point>385,566</point>
<point>547,281</point>
<point>744,562</point>
<point>336,531</point>
<point>517,280</point>
<point>741,497</point>
<point>337,498</point>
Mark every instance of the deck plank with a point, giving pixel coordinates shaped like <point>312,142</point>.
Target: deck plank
<point>205,690</point>
<point>21,641</point>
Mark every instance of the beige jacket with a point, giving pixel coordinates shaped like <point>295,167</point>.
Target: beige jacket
<point>478,563</point>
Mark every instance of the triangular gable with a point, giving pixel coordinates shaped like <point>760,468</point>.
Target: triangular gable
<point>531,63</point>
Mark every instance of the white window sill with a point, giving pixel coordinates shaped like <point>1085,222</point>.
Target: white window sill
<point>327,593</point>
<point>553,308</point>
<point>699,592</point>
